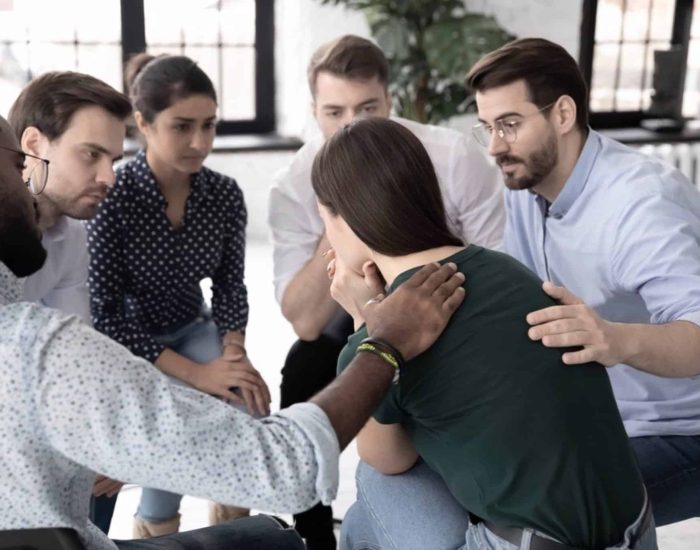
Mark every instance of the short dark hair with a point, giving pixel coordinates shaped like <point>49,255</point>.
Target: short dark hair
<point>350,57</point>
<point>379,178</point>
<point>155,83</point>
<point>49,102</point>
<point>546,68</point>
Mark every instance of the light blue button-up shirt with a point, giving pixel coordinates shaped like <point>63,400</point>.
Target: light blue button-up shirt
<point>73,402</point>
<point>623,235</point>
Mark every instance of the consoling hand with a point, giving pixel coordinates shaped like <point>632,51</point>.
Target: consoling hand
<point>575,324</point>
<point>413,316</point>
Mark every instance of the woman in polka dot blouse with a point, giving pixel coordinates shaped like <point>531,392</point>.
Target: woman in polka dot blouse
<point>168,223</point>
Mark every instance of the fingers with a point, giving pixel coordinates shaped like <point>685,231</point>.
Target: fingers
<point>249,400</point>
<point>454,301</point>
<point>553,313</point>
<point>446,289</point>
<point>586,355</point>
<point>376,300</point>
<point>560,293</point>
<point>559,326</point>
<point>438,278</point>
<point>567,340</point>
<point>420,276</point>
<point>330,269</point>
<point>373,278</point>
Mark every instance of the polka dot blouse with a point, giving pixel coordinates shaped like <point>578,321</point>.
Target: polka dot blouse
<point>145,274</point>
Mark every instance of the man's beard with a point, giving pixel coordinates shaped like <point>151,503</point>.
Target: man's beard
<point>20,243</point>
<point>539,165</point>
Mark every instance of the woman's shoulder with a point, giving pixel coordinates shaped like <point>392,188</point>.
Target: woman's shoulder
<point>220,185</point>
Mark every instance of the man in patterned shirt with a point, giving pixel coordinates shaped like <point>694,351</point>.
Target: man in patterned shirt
<point>59,426</point>
<point>77,123</point>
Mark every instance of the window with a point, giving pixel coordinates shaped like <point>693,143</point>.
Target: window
<point>641,60</point>
<point>232,40</point>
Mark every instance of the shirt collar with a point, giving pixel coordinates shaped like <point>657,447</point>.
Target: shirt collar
<point>10,286</point>
<point>201,186</point>
<point>57,232</point>
<point>578,179</point>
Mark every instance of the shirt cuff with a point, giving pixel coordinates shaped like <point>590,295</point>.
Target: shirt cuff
<point>693,317</point>
<point>316,426</point>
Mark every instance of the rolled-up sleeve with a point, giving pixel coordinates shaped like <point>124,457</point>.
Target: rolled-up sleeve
<point>294,233</point>
<point>657,252</point>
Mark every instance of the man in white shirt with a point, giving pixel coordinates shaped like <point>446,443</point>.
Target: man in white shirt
<point>348,78</point>
<point>59,426</point>
<point>77,123</point>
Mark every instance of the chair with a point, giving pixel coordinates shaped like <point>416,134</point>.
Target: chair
<point>40,539</point>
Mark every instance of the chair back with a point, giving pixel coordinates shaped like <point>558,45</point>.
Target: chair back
<point>40,539</point>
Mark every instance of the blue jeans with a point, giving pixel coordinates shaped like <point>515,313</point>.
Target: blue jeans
<point>641,535</point>
<point>199,341</point>
<point>252,533</point>
<point>387,507</point>
<point>670,466</point>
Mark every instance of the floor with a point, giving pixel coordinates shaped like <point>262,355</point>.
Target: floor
<point>268,339</point>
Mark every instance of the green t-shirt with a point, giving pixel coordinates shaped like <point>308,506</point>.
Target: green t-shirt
<point>520,438</point>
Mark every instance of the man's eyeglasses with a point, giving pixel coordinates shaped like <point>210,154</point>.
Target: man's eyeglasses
<point>36,168</point>
<point>506,129</point>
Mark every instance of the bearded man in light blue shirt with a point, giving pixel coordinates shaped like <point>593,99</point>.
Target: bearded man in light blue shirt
<point>619,233</point>
<point>616,236</point>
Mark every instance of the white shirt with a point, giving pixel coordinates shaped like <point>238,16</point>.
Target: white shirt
<point>73,402</point>
<point>62,282</point>
<point>471,190</point>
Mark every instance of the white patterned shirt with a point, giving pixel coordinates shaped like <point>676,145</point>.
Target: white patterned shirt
<point>73,402</point>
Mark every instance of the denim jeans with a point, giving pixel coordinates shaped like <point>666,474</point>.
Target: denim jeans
<point>387,506</point>
<point>199,341</point>
<point>251,533</point>
<point>670,466</point>
<point>411,510</point>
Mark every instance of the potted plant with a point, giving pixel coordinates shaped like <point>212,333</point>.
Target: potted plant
<point>430,46</point>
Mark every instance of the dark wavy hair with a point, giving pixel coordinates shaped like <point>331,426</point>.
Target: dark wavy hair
<point>378,177</point>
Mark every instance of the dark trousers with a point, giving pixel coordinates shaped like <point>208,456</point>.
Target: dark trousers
<point>310,367</point>
<point>252,533</point>
<point>102,510</point>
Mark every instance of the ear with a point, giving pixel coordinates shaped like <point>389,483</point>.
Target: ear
<point>141,123</point>
<point>33,141</point>
<point>564,113</point>
<point>389,101</point>
<point>314,109</point>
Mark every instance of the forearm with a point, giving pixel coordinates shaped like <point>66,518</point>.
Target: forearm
<point>670,350</point>
<point>354,395</point>
<point>386,447</point>
<point>307,303</point>
<point>176,365</point>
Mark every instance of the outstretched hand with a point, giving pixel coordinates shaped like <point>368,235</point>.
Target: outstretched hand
<point>414,315</point>
<point>575,324</point>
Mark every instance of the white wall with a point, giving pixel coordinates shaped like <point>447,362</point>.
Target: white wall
<point>303,25</point>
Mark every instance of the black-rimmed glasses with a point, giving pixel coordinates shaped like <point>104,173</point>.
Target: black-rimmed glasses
<point>36,169</point>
